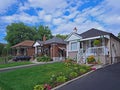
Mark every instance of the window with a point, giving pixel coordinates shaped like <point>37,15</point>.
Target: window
<point>74,46</point>
<point>39,49</point>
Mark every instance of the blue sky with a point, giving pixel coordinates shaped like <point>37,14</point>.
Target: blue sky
<point>61,15</point>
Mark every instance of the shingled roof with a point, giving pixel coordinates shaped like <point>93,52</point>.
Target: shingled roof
<point>26,43</point>
<point>93,32</point>
<point>55,40</point>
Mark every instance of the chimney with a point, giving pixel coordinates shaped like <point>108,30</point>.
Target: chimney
<point>75,30</point>
<point>44,38</point>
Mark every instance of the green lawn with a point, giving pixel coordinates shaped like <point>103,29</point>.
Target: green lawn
<point>27,78</point>
<point>14,64</point>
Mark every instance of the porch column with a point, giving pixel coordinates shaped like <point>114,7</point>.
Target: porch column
<point>18,51</point>
<point>103,44</point>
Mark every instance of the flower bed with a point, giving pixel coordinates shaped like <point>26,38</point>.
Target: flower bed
<point>72,70</point>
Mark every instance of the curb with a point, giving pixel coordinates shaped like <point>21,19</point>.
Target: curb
<point>72,80</point>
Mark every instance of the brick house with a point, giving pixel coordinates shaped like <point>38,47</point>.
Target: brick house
<point>80,46</point>
<point>24,48</point>
<point>55,48</point>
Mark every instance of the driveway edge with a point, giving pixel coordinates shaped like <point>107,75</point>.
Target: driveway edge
<point>72,80</point>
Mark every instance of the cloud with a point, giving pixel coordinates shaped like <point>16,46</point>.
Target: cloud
<point>47,5</point>
<point>48,18</point>
<point>6,4</point>
<point>23,17</point>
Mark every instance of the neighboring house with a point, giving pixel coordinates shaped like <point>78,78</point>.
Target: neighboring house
<point>55,48</point>
<point>80,46</point>
<point>23,48</point>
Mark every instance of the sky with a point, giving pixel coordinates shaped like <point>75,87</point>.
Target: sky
<point>61,16</point>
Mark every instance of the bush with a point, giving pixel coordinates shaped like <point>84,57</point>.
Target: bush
<point>91,59</point>
<point>82,71</point>
<point>73,74</point>
<point>9,57</point>
<point>42,87</point>
<point>22,58</point>
<point>43,59</point>
<point>61,79</point>
<point>54,78</point>
<point>39,87</point>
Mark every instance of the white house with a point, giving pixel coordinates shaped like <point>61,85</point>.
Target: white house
<point>80,46</point>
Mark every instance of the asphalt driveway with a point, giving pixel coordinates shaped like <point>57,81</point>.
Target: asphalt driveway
<point>107,78</point>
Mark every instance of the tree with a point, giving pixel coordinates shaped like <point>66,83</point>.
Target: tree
<point>1,48</point>
<point>119,35</point>
<point>44,30</point>
<point>61,36</point>
<point>17,32</point>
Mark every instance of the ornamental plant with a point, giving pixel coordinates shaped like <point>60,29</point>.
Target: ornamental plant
<point>43,59</point>
<point>73,74</point>
<point>61,79</point>
<point>42,87</point>
<point>91,59</point>
<point>96,42</point>
<point>39,87</point>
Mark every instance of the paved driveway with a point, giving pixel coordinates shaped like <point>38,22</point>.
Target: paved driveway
<point>107,78</point>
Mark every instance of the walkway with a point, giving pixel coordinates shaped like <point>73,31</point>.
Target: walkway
<point>107,78</point>
<point>24,66</point>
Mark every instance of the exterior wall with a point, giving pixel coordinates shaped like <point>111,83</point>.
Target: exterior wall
<point>55,53</point>
<point>114,47</point>
<point>30,51</point>
<point>72,54</point>
<point>104,59</point>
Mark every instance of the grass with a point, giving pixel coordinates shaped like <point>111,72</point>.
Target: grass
<point>27,78</point>
<point>14,64</point>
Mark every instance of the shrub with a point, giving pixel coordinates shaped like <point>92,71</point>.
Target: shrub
<point>58,78</point>
<point>91,59</point>
<point>42,87</point>
<point>21,58</point>
<point>88,68</point>
<point>43,59</point>
<point>10,57</point>
<point>39,87</point>
<point>73,74</point>
<point>61,79</point>
<point>82,71</point>
<point>96,42</point>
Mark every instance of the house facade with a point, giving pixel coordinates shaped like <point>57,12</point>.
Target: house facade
<point>24,48</point>
<point>54,48</point>
<point>80,46</point>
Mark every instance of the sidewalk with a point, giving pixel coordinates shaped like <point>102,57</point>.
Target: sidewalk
<point>25,66</point>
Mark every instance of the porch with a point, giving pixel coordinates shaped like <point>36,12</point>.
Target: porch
<point>100,51</point>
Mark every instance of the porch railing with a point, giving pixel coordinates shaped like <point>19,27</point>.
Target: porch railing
<point>83,54</point>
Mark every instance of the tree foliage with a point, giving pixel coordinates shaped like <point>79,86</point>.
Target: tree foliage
<point>18,32</point>
<point>1,48</point>
<point>44,30</point>
<point>61,36</point>
<point>119,35</point>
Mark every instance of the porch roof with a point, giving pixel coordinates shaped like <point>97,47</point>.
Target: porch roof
<point>26,43</point>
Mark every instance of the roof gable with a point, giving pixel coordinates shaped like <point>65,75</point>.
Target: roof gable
<point>93,33</point>
<point>73,36</point>
<point>55,40</point>
<point>26,43</point>
<point>36,44</point>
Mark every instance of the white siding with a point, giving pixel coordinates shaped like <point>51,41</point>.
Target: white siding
<point>73,37</point>
<point>36,44</point>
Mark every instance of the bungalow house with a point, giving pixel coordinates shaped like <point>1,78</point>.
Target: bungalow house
<point>55,48</point>
<point>24,48</point>
<point>80,46</point>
